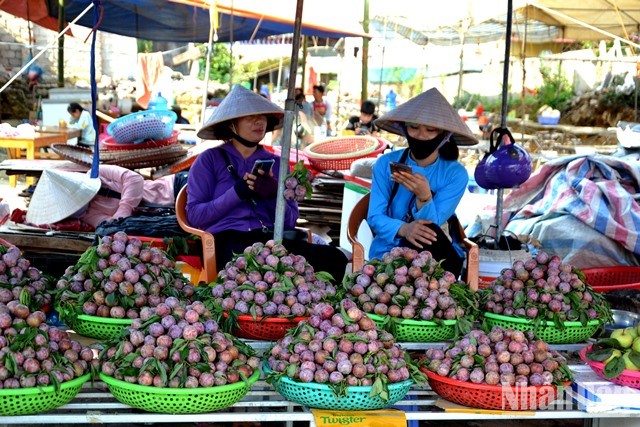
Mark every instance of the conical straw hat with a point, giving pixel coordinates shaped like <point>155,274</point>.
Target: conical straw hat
<point>241,102</point>
<point>429,108</point>
<point>59,194</point>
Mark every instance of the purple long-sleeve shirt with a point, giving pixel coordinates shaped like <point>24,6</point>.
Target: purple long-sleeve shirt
<point>214,205</point>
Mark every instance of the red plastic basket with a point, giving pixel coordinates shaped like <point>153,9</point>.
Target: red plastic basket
<point>110,143</point>
<point>338,153</point>
<point>497,397</point>
<point>604,279</point>
<point>627,377</point>
<point>264,329</point>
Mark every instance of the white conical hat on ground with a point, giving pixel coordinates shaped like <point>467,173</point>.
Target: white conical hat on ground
<point>432,109</point>
<point>60,194</point>
<point>241,102</point>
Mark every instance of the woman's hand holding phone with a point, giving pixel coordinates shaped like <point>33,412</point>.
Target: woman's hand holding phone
<point>417,183</point>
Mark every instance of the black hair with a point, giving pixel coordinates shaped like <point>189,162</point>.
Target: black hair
<point>368,107</point>
<point>74,106</point>
<point>319,88</point>
<point>449,151</point>
<point>176,109</point>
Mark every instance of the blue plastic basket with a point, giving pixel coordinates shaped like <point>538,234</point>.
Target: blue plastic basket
<point>548,120</point>
<point>137,127</point>
<point>320,396</point>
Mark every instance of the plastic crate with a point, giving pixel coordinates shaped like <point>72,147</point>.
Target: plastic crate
<point>604,279</point>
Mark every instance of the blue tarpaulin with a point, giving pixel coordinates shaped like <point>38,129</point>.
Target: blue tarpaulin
<point>164,20</point>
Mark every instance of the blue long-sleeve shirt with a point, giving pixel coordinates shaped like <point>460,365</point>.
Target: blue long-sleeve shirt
<point>448,180</point>
<point>214,205</point>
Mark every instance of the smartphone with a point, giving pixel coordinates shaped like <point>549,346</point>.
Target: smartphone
<point>396,167</point>
<point>265,165</point>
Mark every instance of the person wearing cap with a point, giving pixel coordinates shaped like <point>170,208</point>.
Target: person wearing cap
<point>364,123</point>
<point>81,119</point>
<point>412,208</point>
<point>237,206</point>
<point>114,194</point>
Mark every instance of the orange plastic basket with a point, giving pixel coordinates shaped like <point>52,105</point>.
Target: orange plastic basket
<point>497,397</point>
<point>604,279</point>
<point>338,153</point>
<point>264,329</point>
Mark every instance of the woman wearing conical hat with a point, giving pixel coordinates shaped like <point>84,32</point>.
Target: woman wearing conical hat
<point>237,206</point>
<point>411,208</point>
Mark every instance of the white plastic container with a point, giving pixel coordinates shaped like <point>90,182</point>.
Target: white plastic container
<point>5,211</point>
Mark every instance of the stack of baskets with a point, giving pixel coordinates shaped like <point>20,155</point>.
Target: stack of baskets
<point>138,127</point>
<point>132,159</point>
<point>338,153</point>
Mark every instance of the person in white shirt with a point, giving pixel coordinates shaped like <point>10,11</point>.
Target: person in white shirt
<point>81,119</point>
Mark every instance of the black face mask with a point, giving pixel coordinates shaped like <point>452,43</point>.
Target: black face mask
<point>421,148</point>
<point>245,142</point>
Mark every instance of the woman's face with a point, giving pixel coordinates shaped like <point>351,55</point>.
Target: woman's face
<point>251,128</point>
<point>422,132</point>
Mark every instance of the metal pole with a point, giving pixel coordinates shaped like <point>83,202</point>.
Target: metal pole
<point>289,116</point>
<point>61,17</point>
<point>213,36</point>
<point>365,53</point>
<point>505,99</point>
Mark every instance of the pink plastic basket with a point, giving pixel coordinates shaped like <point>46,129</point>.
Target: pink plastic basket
<point>143,125</point>
<point>627,377</point>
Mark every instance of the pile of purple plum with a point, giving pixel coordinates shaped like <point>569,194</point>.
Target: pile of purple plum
<point>408,284</point>
<point>266,280</point>
<point>297,185</point>
<point>34,354</point>
<point>177,346</point>
<point>340,348</point>
<point>119,277</point>
<point>502,357</point>
<point>19,280</point>
<point>543,287</point>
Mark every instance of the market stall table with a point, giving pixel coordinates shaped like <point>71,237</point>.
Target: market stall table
<point>32,142</point>
<point>95,405</point>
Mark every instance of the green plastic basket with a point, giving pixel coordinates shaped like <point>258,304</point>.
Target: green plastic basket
<point>36,400</point>
<point>178,400</point>
<point>573,332</point>
<point>102,328</point>
<point>408,330</point>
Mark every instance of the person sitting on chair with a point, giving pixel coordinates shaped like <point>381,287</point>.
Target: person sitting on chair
<point>235,202</point>
<point>115,194</point>
<point>364,123</point>
<point>411,207</point>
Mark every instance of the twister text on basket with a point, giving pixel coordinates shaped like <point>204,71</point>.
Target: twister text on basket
<point>341,420</point>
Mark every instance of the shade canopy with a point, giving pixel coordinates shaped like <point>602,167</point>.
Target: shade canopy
<point>541,20</point>
<point>185,20</point>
